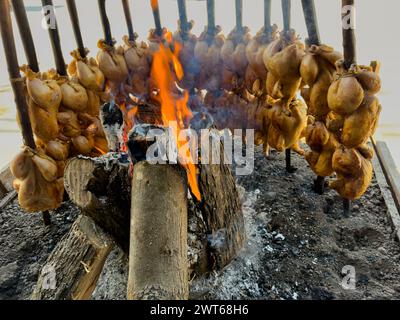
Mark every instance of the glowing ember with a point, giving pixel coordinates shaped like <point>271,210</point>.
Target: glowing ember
<point>166,70</point>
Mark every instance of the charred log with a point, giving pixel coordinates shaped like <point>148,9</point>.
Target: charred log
<point>72,270</point>
<point>101,187</point>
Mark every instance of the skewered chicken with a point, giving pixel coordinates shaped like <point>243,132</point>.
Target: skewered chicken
<point>323,145</point>
<point>74,96</point>
<point>191,67</point>
<point>287,117</point>
<point>256,70</point>
<point>37,181</point>
<point>44,98</point>
<point>208,54</point>
<point>233,54</point>
<point>286,124</point>
<point>354,106</point>
<point>112,63</point>
<point>87,71</point>
<point>354,172</point>
<point>138,62</point>
<point>317,70</point>
<point>282,59</point>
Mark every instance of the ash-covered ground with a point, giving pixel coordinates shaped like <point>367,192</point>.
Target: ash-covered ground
<point>297,244</point>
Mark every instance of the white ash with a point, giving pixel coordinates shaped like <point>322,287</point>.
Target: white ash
<point>238,280</point>
<point>112,284</point>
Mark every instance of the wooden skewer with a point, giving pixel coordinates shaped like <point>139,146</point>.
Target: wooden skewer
<point>319,185</point>
<point>26,34</point>
<point>287,18</point>
<point>128,18</point>
<point>211,17</point>
<point>184,24</point>
<point>267,16</point>
<point>30,52</point>
<point>239,15</point>
<point>105,23</point>
<point>310,17</point>
<point>349,52</point>
<point>311,22</point>
<point>349,38</point>
<point>56,43</point>
<point>73,12</point>
<point>286,12</point>
<point>17,82</point>
<point>157,19</point>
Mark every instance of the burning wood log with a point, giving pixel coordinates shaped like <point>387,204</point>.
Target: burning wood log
<point>158,268</point>
<point>73,268</point>
<point>221,211</point>
<point>101,187</point>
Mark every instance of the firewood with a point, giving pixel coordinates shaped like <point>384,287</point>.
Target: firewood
<point>73,268</point>
<point>101,187</point>
<point>158,268</point>
<point>222,212</point>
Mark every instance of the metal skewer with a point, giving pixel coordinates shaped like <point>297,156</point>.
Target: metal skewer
<point>73,12</point>
<point>128,18</point>
<point>105,23</point>
<point>55,40</point>
<point>26,34</point>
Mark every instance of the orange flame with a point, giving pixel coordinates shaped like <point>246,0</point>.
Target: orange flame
<point>102,152</point>
<point>129,119</point>
<point>154,4</point>
<point>166,69</point>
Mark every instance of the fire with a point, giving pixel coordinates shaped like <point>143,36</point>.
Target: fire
<point>154,4</point>
<point>129,119</point>
<point>166,70</point>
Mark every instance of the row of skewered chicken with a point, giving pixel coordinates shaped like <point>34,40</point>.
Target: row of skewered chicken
<point>254,83</point>
<point>251,83</point>
<point>64,113</point>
